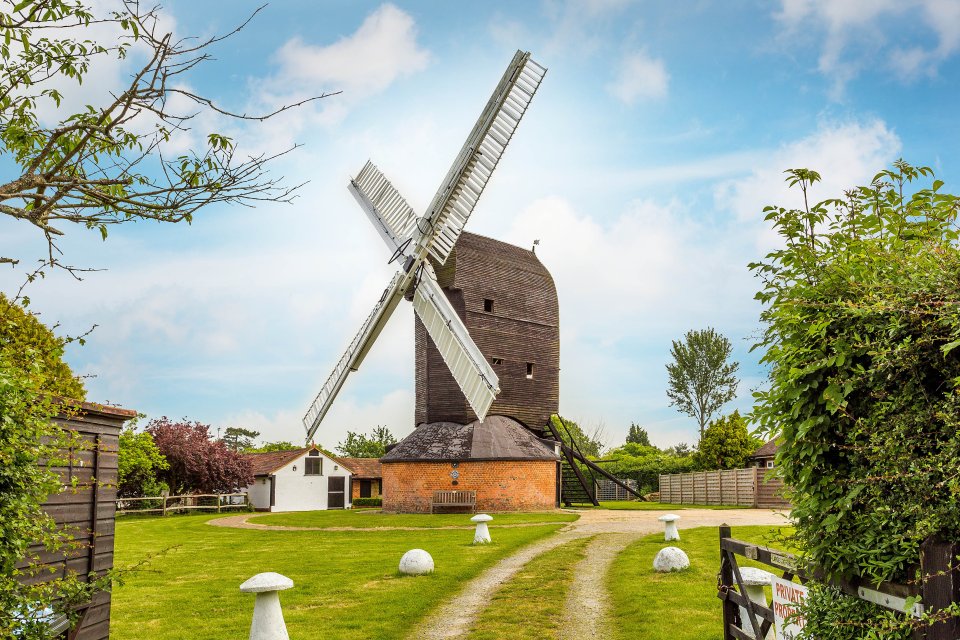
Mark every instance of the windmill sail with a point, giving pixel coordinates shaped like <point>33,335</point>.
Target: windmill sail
<point>390,214</point>
<point>454,202</point>
<point>356,352</point>
<point>468,365</point>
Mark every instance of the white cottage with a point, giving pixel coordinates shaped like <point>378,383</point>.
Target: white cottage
<point>305,479</point>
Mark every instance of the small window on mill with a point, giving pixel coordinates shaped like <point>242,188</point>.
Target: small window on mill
<point>498,361</point>
<point>529,371</point>
<point>488,305</point>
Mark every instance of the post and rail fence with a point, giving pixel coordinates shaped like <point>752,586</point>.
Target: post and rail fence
<point>164,505</point>
<point>937,590</point>
<point>732,487</point>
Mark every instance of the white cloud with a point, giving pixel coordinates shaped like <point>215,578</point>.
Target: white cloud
<point>845,154</point>
<point>856,34</point>
<point>363,64</point>
<point>640,77</point>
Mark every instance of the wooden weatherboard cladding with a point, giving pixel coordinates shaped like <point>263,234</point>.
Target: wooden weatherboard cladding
<point>86,508</point>
<point>523,328</point>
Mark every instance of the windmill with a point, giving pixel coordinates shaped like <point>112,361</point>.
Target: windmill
<point>413,239</point>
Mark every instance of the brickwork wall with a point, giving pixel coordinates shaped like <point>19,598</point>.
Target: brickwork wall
<point>501,485</point>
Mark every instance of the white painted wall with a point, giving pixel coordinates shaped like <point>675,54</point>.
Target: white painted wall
<point>296,491</point>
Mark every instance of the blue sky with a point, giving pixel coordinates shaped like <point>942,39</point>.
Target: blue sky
<point>658,135</point>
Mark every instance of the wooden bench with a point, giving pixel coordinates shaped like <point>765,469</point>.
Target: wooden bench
<point>454,499</point>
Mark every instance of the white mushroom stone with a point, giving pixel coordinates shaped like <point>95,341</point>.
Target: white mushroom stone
<point>416,562</point>
<point>670,530</point>
<point>482,535</point>
<point>670,559</point>
<point>267,623</point>
<point>754,580</point>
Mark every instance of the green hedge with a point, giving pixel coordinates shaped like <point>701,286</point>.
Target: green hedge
<point>367,502</point>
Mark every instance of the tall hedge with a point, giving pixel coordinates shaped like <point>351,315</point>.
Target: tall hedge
<point>862,329</point>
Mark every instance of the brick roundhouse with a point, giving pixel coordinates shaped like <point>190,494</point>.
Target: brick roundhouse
<point>508,301</point>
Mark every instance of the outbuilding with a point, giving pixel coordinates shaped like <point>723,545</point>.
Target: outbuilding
<point>500,463</point>
<point>366,477</point>
<point>307,479</point>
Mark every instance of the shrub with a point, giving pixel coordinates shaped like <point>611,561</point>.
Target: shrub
<point>367,502</point>
<point>862,329</point>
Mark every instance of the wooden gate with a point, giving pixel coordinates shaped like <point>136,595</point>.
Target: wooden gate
<point>939,589</point>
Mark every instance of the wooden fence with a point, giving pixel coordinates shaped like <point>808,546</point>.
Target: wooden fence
<point>938,589</point>
<point>733,487</point>
<point>163,505</point>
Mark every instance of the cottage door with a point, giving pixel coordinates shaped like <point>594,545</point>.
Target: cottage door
<point>335,493</point>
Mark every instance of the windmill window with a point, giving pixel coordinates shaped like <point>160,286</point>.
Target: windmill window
<point>313,466</point>
<point>529,371</point>
<point>498,361</point>
<point>488,305</point>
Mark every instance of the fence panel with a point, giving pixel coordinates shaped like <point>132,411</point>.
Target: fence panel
<point>733,487</point>
<point>163,505</point>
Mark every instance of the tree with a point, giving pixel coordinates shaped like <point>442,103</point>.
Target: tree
<point>361,446</point>
<point>701,380</point>
<point>726,444</point>
<point>239,439</point>
<point>681,450</point>
<point>591,445</point>
<point>644,464</point>
<point>25,341</point>
<point>110,163</point>
<point>196,462</point>
<point>139,463</point>
<point>638,435</point>
<point>280,445</point>
<point>862,341</point>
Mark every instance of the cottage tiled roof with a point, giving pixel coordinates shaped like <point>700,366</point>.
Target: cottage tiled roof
<point>363,468</point>
<point>768,450</point>
<point>496,438</point>
<point>263,464</point>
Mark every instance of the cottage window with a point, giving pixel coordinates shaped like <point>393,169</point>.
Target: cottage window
<point>313,467</point>
<point>488,305</point>
<point>769,464</point>
<point>529,371</point>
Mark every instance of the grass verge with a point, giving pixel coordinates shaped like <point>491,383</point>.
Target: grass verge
<point>367,519</point>
<point>646,604</point>
<point>530,606</point>
<point>346,584</point>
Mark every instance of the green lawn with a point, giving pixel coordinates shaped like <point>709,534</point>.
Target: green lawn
<point>346,583</point>
<point>366,519</point>
<point>646,603</point>
<point>530,606</point>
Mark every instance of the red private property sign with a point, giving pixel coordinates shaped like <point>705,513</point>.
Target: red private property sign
<point>787,597</point>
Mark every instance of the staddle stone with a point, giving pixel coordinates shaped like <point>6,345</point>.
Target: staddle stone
<point>482,534</point>
<point>670,529</point>
<point>416,562</point>
<point>670,559</point>
<point>268,581</point>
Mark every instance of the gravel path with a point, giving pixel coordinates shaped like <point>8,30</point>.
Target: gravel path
<point>587,605</point>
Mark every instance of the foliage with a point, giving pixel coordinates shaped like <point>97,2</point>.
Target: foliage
<point>591,445</point>
<point>30,443</point>
<point>362,446</point>
<point>280,445</point>
<point>110,163</point>
<point>682,450</point>
<point>700,380</point>
<point>139,463</point>
<point>644,464</point>
<point>367,502</point>
<point>196,463</point>
<point>25,341</point>
<point>862,314</point>
<point>726,444</point>
<point>240,439</point>
<point>638,435</point>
